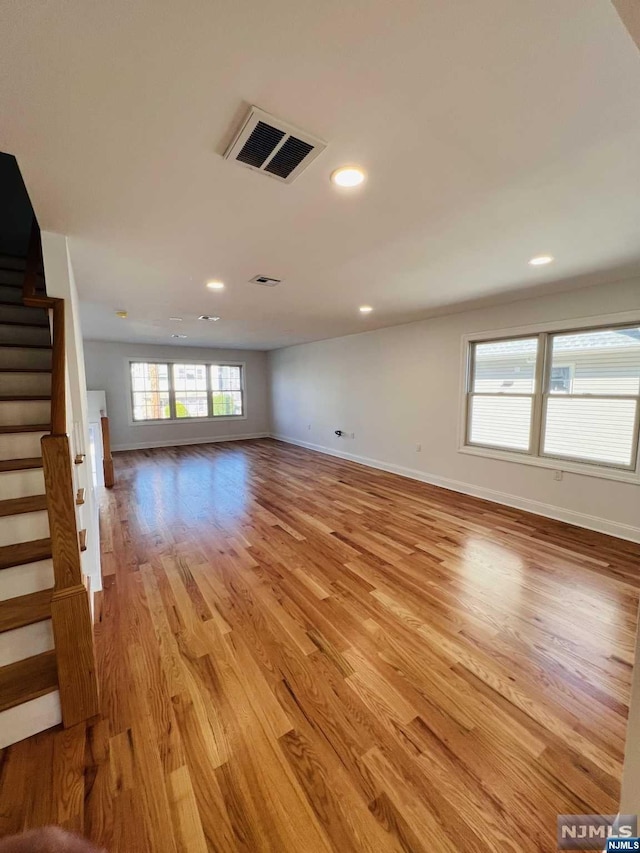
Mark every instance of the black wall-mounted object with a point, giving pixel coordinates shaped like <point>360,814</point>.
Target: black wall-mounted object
<point>338,432</point>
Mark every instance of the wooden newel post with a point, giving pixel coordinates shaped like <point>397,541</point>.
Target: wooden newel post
<point>70,610</point>
<point>107,460</point>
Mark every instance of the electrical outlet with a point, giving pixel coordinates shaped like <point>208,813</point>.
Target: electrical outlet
<point>308,426</point>
<point>418,448</point>
<point>557,475</point>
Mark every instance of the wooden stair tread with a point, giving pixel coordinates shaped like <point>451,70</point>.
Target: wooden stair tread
<point>25,552</point>
<point>23,398</point>
<point>27,323</point>
<point>8,303</point>
<point>27,679</point>
<point>25,610</point>
<point>20,285</point>
<point>10,428</point>
<point>25,370</point>
<point>20,464</point>
<point>17,506</point>
<point>24,346</point>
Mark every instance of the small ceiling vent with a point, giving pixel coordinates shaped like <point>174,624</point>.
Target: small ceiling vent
<point>266,144</point>
<point>265,281</point>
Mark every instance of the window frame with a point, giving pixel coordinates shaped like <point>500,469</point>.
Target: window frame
<point>173,419</point>
<point>534,455</point>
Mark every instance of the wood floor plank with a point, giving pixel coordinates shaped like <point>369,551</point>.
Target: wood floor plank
<point>299,654</point>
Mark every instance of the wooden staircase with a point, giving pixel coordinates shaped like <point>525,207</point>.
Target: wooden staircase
<point>47,668</point>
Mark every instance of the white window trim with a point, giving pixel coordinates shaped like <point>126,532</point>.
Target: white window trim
<point>142,359</point>
<point>553,463</point>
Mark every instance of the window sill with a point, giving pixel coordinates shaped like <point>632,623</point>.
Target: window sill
<point>584,470</point>
<point>173,421</point>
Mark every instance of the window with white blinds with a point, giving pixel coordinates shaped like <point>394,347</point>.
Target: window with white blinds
<point>177,390</point>
<point>567,395</point>
<point>501,393</point>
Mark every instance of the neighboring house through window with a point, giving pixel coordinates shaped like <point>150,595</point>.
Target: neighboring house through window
<point>176,390</point>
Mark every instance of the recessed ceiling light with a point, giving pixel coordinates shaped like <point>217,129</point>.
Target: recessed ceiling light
<point>540,260</point>
<point>366,309</point>
<point>348,176</point>
<point>207,317</point>
<point>178,336</point>
<point>177,319</point>
<point>122,314</point>
<point>215,285</point>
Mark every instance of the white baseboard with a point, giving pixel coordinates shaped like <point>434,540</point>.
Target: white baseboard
<point>180,442</point>
<point>579,519</point>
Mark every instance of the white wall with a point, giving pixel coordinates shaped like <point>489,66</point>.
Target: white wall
<point>107,368</point>
<point>399,387</point>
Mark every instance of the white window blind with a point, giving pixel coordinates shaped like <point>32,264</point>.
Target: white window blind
<point>594,418</point>
<point>567,395</point>
<point>501,393</point>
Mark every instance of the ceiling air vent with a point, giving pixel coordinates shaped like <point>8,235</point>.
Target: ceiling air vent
<point>278,149</point>
<point>265,281</point>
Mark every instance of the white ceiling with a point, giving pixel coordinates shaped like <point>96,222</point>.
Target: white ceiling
<point>490,131</point>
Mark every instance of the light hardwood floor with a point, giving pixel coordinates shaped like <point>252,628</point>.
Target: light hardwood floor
<point>301,654</point>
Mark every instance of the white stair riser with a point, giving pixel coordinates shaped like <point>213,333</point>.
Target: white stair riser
<point>10,294</point>
<point>11,262</point>
<point>28,719</point>
<point>21,580</point>
<point>19,357</point>
<point>23,527</point>
<point>20,445</point>
<point>24,412</point>
<point>25,383</point>
<point>8,276</point>
<point>26,642</point>
<point>23,314</point>
<point>24,334</point>
<point>21,484</point>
